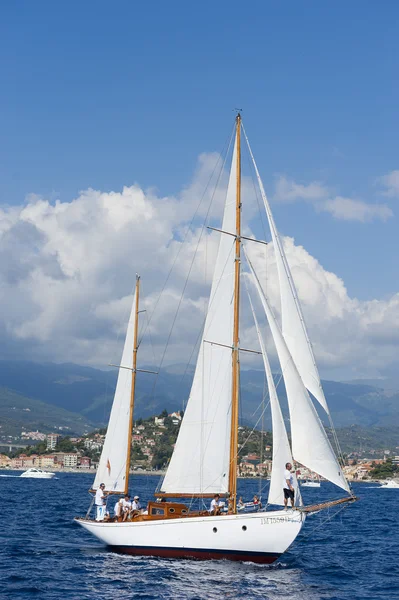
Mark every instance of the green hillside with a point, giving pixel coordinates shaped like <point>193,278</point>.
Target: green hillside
<point>17,411</point>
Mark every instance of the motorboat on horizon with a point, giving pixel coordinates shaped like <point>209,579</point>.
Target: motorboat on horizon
<point>35,473</point>
<point>390,484</point>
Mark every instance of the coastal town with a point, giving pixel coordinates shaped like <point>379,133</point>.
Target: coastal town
<point>153,440</point>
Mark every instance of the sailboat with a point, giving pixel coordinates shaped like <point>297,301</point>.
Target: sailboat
<point>204,461</point>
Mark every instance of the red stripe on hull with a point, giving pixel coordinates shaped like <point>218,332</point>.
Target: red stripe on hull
<point>261,558</point>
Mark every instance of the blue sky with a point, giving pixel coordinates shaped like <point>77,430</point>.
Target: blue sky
<point>102,95</point>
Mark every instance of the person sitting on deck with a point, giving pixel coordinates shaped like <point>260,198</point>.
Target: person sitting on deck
<point>257,502</point>
<point>240,503</point>
<point>136,503</point>
<point>127,506</point>
<point>216,505</point>
<point>118,510</point>
<point>136,509</point>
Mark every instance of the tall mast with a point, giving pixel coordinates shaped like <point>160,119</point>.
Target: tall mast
<point>236,354</point>
<point>134,369</point>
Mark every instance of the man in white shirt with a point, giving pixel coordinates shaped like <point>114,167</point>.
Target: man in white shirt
<point>216,505</point>
<point>136,504</point>
<point>118,509</point>
<point>288,486</point>
<point>100,502</point>
<point>127,506</point>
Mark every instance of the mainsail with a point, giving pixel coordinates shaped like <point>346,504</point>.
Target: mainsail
<point>112,466</point>
<point>293,324</point>
<point>201,458</point>
<point>281,447</point>
<point>310,444</point>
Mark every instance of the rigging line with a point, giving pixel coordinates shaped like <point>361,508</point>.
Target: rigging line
<point>256,191</point>
<point>203,324</point>
<point>203,228</point>
<point>257,423</point>
<point>228,144</point>
<point>262,431</point>
<point>205,317</point>
<point>328,518</point>
<point>179,304</point>
<point>151,344</point>
<point>295,296</point>
<point>290,359</point>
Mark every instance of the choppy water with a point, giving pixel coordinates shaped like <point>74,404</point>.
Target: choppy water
<point>45,555</point>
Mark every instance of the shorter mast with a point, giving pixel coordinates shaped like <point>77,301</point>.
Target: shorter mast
<point>133,388</point>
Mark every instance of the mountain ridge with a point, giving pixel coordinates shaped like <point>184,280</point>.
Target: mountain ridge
<point>87,393</point>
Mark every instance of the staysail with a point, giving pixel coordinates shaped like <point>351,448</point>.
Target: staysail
<point>310,444</point>
<point>201,458</point>
<point>112,466</point>
<point>293,324</point>
<point>281,447</point>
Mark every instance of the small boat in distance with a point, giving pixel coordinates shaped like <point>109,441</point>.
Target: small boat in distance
<point>390,484</point>
<point>314,482</point>
<point>37,474</point>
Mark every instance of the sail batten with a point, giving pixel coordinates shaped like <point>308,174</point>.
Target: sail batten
<point>113,465</point>
<point>281,447</point>
<point>310,444</point>
<point>201,458</point>
<point>293,323</point>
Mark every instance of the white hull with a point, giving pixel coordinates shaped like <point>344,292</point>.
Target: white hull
<point>313,484</point>
<point>258,537</point>
<point>36,474</point>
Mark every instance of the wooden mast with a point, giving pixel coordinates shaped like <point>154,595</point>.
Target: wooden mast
<point>134,370</point>
<point>236,354</point>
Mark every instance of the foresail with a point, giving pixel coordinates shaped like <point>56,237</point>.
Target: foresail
<point>293,324</point>
<point>281,447</point>
<point>200,461</point>
<point>112,466</point>
<point>310,444</point>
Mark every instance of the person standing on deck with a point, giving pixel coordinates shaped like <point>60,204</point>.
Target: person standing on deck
<point>288,486</point>
<point>100,503</point>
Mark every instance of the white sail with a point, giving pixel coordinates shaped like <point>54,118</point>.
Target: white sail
<point>281,447</point>
<point>293,324</point>
<point>112,466</point>
<point>200,461</point>
<point>310,444</point>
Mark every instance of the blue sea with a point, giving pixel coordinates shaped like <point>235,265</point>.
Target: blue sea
<point>45,555</point>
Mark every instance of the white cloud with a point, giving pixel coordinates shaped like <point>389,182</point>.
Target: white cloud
<point>323,200</point>
<point>348,209</point>
<point>351,338</point>
<point>67,272</point>
<point>391,183</point>
<point>287,190</point>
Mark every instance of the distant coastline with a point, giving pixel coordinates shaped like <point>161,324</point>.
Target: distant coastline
<point>160,473</point>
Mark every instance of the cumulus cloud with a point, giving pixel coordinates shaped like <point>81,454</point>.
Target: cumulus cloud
<point>67,269</point>
<point>67,272</point>
<point>348,209</point>
<point>391,184</point>
<point>323,200</point>
<point>351,338</point>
